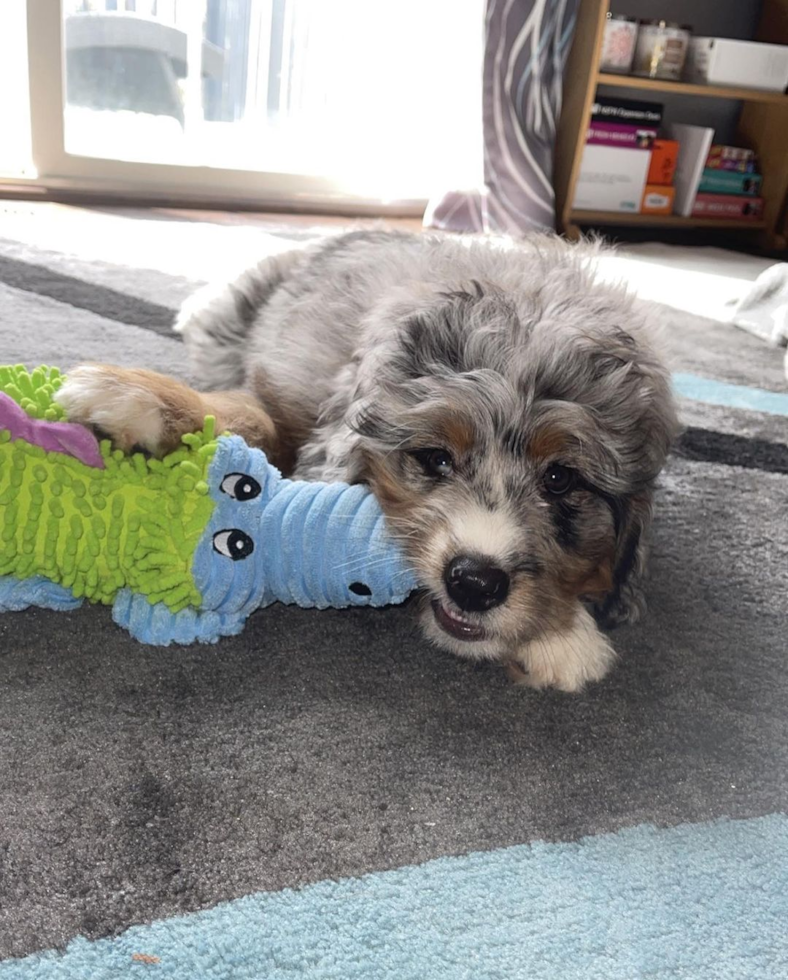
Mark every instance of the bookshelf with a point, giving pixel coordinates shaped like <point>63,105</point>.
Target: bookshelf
<point>763,125</point>
<point>657,85</point>
<point>601,218</point>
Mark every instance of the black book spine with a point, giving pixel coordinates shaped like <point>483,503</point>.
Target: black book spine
<point>626,112</point>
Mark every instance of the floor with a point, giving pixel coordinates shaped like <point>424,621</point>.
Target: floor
<point>326,769</point>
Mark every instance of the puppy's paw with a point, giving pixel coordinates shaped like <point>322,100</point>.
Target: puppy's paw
<point>567,660</point>
<point>133,408</point>
<point>626,605</point>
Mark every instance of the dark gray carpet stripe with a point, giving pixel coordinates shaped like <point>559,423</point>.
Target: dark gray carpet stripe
<point>707,446</point>
<point>87,296</point>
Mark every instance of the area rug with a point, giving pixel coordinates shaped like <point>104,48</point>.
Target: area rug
<point>326,796</point>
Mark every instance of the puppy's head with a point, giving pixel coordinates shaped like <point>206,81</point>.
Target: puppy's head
<point>513,442</point>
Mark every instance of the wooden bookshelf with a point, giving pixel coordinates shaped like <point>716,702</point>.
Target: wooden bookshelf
<point>600,218</point>
<point>690,88</point>
<point>763,125</point>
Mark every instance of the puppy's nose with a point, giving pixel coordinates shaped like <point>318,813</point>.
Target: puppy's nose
<point>474,584</point>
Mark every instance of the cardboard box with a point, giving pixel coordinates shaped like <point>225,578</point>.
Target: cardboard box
<point>614,134</point>
<point>727,206</point>
<point>611,178</point>
<point>728,182</point>
<point>723,61</point>
<point>657,199</point>
<point>664,154</point>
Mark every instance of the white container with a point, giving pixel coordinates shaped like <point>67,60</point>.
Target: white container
<point>661,50</point>
<point>618,44</point>
<point>721,61</point>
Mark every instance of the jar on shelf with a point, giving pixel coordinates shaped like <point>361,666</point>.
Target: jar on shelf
<point>661,50</point>
<point>618,44</point>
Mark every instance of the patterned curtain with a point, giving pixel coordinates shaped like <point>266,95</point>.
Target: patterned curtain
<point>525,50</point>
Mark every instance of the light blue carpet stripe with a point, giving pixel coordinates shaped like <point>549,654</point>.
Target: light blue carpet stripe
<point>687,903</point>
<point>712,392</point>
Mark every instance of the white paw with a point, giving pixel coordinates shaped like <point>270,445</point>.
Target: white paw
<point>111,400</point>
<point>567,660</point>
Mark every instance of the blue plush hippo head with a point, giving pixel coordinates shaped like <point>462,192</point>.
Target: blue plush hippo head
<point>271,539</point>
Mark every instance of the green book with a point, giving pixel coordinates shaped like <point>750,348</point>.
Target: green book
<point>729,182</point>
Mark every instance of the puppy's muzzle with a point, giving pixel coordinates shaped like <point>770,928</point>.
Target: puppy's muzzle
<point>475,584</point>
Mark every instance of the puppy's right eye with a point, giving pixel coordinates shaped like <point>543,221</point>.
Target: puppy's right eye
<point>558,479</point>
<point>436,462</point>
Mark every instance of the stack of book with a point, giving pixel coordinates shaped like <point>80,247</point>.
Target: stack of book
<point>625,166</point>
<point>730,185</point>
<point>714,181</point>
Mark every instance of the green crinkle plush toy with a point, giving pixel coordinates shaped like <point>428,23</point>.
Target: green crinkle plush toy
<point>184,548</point>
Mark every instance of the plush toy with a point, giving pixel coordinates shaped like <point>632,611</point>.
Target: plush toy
<point>184,548</point>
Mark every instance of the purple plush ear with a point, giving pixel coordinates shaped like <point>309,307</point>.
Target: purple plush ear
<point>55,437</point>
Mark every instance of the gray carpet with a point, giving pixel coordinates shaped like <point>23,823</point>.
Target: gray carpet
<point>138,783</point>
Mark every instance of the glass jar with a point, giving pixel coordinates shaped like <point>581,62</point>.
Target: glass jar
<point>661,49</point>
<point>618,44</point>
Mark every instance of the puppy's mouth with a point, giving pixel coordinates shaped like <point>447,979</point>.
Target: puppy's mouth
<point>456,624</point>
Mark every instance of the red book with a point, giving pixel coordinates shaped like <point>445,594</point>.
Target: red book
<point>664,155</point>
<point>727,206</point>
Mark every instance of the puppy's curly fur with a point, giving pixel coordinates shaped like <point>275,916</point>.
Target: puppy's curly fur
<point>508,410</point>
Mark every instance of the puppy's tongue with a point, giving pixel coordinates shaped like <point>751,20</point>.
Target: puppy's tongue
<point>455,624</point>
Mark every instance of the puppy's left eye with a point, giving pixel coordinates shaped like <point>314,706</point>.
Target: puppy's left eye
<point>558,479</point>
<point>239,486</point>
<point>436,462</point>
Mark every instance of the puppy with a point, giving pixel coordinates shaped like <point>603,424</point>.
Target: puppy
<point>508,411</point>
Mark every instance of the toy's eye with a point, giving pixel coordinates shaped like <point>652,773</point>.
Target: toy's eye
<point>358,588</point>
<point>239,486</point>
<point>233,544</point>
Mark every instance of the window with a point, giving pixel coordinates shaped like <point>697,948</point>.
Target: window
<point>333,100</point>
<point>15,152</point>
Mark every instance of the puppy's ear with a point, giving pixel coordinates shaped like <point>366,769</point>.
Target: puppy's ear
<point>372,435</point>
<point>625,602</point>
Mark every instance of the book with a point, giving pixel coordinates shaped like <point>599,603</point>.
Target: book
<point>719,151</point>
<point>736,166</point>
<point>664,154</point>
<point>694,144</point>
<point>611,178</point>
<point>627,111</point>
<point>727,206</point>
<point>729,182</point>
<point>657,199</point>
<point>616,134</point>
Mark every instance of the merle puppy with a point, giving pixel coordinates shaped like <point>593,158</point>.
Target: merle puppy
<point>507,410</point>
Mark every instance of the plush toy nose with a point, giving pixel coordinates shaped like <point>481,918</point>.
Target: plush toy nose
<point>475,584</point>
